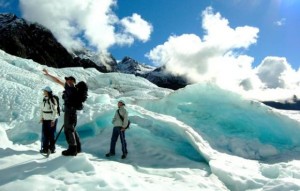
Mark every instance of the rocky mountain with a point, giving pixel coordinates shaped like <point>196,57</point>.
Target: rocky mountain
<point>33,41</point>
<point>162,78</point>
<point>131,66</point>
<point>159,76</point>
<point>292,104</point>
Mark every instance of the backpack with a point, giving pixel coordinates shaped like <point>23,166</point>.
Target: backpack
<point>122,118</point>
<point>81,95</point>
<point>57,101</point>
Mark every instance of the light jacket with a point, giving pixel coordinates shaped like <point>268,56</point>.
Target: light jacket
<point>49,109</point>
<point>117,121</point>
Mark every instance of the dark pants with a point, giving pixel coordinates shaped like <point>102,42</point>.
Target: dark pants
<point>48,135</point>
<point>115,134</point>
<point>70,121</point>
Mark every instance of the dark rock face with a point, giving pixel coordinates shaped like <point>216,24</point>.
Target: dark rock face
<point>162,78</point>
<point>33,41</point>
<point>284,106</point>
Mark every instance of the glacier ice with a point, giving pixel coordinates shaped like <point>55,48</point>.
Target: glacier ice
<point>219,135</point>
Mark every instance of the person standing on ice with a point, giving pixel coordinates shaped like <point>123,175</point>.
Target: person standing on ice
<point>70,116</point>
<point>49,115</point>
<point>120,122</point>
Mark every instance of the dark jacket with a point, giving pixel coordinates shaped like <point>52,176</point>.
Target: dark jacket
<point>69,96</point>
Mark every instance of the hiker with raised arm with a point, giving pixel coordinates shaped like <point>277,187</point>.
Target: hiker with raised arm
<point>70,114</point>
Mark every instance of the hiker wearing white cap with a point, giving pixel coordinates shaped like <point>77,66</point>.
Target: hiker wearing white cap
<point>70,114</point>
<point>48,118</point>
<point>120,122</point>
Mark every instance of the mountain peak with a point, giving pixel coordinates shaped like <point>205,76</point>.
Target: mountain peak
<point>7,17</point>
<point>126,59</point>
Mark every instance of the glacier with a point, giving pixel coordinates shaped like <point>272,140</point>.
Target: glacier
<point>201,137</point>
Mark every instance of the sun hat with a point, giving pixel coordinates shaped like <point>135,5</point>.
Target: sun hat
<point>47,88</point>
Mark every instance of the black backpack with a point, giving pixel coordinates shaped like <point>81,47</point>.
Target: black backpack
<point>122,118</point>
<point>81,95</point>
<point>57,101</point>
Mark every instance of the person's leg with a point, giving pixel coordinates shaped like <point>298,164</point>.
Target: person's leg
<point>114,138</point>
<point>124,144</point>
<point>77,139</point>
<point>42,137</point>
<point>78,143</point>
<point>70,120</point>
<point>52,137</point>
<point>46,134</point>
<point>69,127</point>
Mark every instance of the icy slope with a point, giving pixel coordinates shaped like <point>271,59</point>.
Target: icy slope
<point>179,140</point>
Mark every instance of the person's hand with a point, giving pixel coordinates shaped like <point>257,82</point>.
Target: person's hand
<point>45,71</point>
<point>52,123</point>
<point>123,129</point>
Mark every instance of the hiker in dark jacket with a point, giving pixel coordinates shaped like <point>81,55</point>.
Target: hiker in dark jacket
<point>49,115</point>
<point>120,122</point>
<point>70,116</point>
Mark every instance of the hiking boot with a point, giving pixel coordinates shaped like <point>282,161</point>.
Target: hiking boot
<point>71,151</point>
<point>79,149</point>
<point>44,151</point>
<point>124,156</point>
<point>110,154</point>
<point>52,151</point>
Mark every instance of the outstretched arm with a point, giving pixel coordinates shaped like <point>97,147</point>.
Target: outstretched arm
<point>54,78</point>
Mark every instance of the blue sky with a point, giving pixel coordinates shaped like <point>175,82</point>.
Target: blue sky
<point>278,22</point>
<point>178,18</point>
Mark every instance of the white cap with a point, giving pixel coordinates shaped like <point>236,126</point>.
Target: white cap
<point>121,101</point>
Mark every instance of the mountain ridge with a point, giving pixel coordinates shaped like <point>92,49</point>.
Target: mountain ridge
<point>29,40</point>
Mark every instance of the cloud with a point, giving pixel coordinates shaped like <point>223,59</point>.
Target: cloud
<point>275,72</point>
<point>218,58</point>
<point>77,23</point>
<point>138,27</point>
<point>281,22</point>
<point>210,59</point>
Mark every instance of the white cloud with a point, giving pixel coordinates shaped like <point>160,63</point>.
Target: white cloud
<point>281,22</point>
<point>220,34</point>
<point>210,59</point>
<point>76,23</point>
<point>138,27</point>
<point>216,58</point>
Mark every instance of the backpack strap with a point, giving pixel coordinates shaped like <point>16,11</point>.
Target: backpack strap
<point>122,118</point>
<point>52,100</point>
<point>44,100</point>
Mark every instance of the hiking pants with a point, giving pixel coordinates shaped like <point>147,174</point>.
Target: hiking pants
<point>48,135</point>
<point>70,121</point>
<point>115,134</point>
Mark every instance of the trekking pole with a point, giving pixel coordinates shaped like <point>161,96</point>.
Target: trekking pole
<point>58,134</point>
